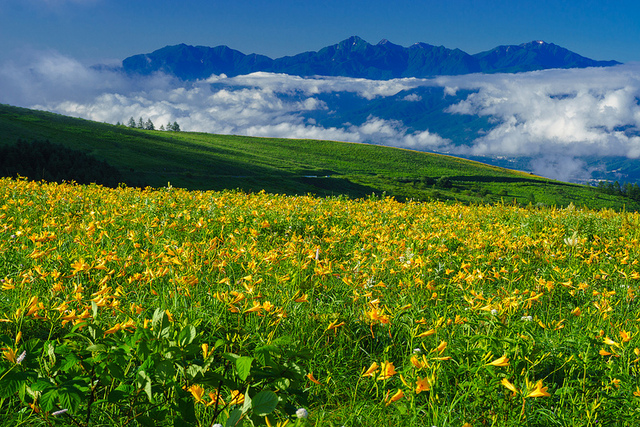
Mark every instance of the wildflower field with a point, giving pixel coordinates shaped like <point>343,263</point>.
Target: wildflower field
<point>171,307</point>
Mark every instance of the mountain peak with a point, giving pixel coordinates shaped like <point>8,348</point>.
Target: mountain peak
<point>354,57</point>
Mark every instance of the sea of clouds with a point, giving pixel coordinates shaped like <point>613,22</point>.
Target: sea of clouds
<point>555,117</point>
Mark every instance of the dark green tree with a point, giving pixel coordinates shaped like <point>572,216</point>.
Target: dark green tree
<point>132,123</point>
<point>149,125</point>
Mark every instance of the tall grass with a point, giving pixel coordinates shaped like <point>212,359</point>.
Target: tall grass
<point>375,312</point>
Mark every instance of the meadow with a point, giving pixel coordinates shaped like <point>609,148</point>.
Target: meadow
<point>200,161</point>
<point>131,306</point>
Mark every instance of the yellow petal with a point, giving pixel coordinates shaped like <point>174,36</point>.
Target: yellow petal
<point>505,382</point>
<point>501,361</point>
<point>539,391</point>
<point>372,369</point>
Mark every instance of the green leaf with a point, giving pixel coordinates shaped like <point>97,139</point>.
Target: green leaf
<point>187,335</point>
<point>11,383</point>
<point>116,370</point>
<point>193,371</point>
<point>144,381</point>
<point>282,383</point>
<point>157,322</point>
<point>165,370</point>
<point>97,347</point>
<point>70,397</point>
<point>40,385</point>
<point>186,409</point>
<point>230,356</point>
<point>48,399</point>
<point>143,350</point>
<point>70,360</point>
<point>94,310</point>
<point>247,402</point>
<point>234,418</point>
<point>116,395</point>
<point>243,365</point>
<point>146,421</point>
<point>265,403</point>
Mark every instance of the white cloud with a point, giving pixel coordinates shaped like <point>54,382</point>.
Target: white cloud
<point>570,112</point>
<point>553,116</point>
<point>412,97</point>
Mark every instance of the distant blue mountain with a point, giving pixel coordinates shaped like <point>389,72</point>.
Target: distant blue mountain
<point>354,57</point>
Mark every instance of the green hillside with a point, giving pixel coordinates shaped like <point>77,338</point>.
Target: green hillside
<point>202,161</point>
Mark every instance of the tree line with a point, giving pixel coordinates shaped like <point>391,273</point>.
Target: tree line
<point>627,189</point>
<point>43,160</point>
<point>148,125</point>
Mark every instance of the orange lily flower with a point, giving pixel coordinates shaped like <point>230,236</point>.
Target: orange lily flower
<point>539,391</point>
<point>501,361</point>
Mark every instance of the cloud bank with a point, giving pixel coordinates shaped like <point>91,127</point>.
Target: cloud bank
<point>555,117</point>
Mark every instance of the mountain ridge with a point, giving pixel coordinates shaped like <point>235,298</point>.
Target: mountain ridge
<point>355,57</point>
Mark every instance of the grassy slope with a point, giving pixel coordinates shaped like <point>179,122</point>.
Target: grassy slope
<point>205,161</point>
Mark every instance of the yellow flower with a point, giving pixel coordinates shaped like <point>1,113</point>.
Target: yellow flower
<point>205,350</point>
<point>505,382</point>
<point>334,325</point>
<point>397,396</point>
<point>625,336</point>
<point>312,378</point>
<point>539,391</point>
<point>637,392</point>
<point>113,330</point>
<point>426,334</point>
<point>609,341</point>
<point>422,384</point>
<point>372,370</point>
<point>237,398</point>
<point>419,364</point>
<point>388,370</point>
<point>303,298</point>
<point>9,354</point>
<point>197,392</point>
<point>501,361</point>
<point>278,423</point>
<point>441,346</point>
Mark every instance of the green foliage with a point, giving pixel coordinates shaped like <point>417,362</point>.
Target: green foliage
<point>148,372</point>
<point>54,162</point>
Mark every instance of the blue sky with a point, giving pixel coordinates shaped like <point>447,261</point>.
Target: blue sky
<point>111,30</point>
<point>554,117</point>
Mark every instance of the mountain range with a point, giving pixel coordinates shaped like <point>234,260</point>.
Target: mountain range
<point>354,57</point>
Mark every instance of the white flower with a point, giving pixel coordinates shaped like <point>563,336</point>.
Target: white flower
<point>526,318</point>
<point>302,413</point>
<point>494,311</point>
<point>60,412</point>
<point>572,241</point>
<point>217,425</point>
<point>21,357</point>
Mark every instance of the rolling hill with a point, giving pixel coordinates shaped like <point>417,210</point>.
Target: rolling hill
<point>201,161</point>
